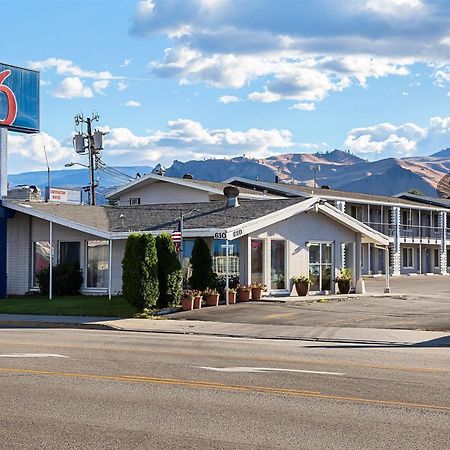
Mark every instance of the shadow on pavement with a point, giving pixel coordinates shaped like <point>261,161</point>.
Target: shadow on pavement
<point>438,342</point>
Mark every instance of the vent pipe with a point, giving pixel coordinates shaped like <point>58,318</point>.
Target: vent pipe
<point>232,194</point>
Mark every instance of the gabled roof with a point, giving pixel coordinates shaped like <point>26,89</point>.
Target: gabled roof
<point>440,202</point>
<point>207,186</point>
<point>293,190</point>
<point>200,219</point>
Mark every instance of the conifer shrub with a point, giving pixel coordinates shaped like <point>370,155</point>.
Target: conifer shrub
<point>66,279</point>
<point>202,266</point>
<point>140,271</point>
<point>170,276</point>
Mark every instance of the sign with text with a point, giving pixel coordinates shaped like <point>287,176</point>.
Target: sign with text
<point>19,99</point>
<point>63,195</point>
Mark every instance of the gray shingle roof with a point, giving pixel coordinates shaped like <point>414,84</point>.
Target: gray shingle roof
<point>160,217</point>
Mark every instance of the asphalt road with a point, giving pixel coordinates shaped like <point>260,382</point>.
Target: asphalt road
<point>77,389</point>
<point>426,306</point>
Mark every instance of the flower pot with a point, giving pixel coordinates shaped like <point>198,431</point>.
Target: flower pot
<point>197,302</point>
<point>344,286</point>
<point>302,289</point>
<point>187,304</point>
<point>231,298</point>
<point>212,300</point>
<point>244,296</point>
<point>256,293</point>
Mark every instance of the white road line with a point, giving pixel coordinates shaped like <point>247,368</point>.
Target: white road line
<point>33,355</point>
<point>266,369</point>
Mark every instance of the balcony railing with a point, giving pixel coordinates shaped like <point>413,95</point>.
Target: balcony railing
<point>408,231</point>
<point>382,227</point>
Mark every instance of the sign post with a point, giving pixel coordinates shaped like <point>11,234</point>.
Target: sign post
<point>19,111</point>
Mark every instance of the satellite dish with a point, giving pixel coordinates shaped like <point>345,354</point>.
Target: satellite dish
<point>443,187</point>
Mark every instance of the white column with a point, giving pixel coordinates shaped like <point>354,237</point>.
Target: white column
<point>360,287</point>
<point>110,270</point>
<point>3,162</point>
<point>50,281</point>
<point>443,247</point>
<point>227,280</point>
<point>396,256</point>
<point>387,287</point>
<point>340,204</point>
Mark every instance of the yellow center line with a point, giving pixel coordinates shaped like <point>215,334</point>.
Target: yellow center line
<point>224,387</point>
<point>332,362</point>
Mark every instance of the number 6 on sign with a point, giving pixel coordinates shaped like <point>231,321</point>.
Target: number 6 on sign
<point>11,100</point>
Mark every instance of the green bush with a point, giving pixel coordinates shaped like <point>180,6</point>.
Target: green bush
<point>140,271</point>
<point>67,279</point>
<point>170,276</point>
<point>202,271</point>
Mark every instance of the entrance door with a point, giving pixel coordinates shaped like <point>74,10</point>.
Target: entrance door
<point>320,266</point>
<point>277,265</point>
<point>257,261</point>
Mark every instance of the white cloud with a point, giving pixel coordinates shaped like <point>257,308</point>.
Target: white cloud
<point>132,104</point>
<point>99,86</point>
<point>126,62</point>
<point>304,106</point>
<point>408,139</point>
<point>229,99</point>
<point>395,8</point>
<point>72,87</point>
<point>121,85</point>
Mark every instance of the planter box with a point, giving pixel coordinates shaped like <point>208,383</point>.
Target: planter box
<point>187,304</point>
<point>197,302</point>
<point>302,289</point>
<point>244,296</point>
<point>231,298</point>
<point>344,286</point>
<point>256,293</point>
<point>212,300</point>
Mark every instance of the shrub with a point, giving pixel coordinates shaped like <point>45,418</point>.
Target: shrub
<point>233,282</point>
<point>202,271</point>
<point>140,271</point>
<point>170,276</point>
<point>67,279</point>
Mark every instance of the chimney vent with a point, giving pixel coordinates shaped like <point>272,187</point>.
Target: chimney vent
<point>188,176</point>
<point>232,194</point>
<point>277,179</point>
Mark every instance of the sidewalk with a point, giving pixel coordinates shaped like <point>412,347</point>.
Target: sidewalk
<point>374,336</point>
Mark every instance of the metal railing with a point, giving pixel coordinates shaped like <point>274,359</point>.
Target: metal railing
<point>219,265</point>
<point>408,231</point>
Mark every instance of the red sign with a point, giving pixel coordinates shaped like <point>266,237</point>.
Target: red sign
<point>10,100</point>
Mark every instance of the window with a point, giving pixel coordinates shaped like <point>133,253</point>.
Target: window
<point>436,257</point>
<point>357,212</point>
<point>219,257</point>
<point>97,264</point>
<point>448,257</point>
<point>135,201</point>
<point>408,257</point>
<point>277,264</point>
<point>406,217</point>
<point>69,252</point>
<point>257,261</point>
<point>41,258</point>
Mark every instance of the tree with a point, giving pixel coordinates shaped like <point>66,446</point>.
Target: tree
<point>202,271</point>
<point>170,276</point>
<point>140,271</point>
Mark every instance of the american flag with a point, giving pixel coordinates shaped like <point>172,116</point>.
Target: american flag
<point>176,235</point>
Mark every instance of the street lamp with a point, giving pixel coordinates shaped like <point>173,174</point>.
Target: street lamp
<point>71,164</point>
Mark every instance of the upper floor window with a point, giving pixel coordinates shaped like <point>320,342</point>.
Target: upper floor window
<point>356,212</point>
<point>135,201</point>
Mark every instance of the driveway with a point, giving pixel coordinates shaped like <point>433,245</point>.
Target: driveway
<point>425,307</point>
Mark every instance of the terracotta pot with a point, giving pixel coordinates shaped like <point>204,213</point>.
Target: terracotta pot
<point>231,298</point>
<point>344,286</point>
<point>244,296</point>
<point>187,304</point>
<point>212,300</point>
<point>302,289</point>
<point>197,302</point>
<point>256,293</point>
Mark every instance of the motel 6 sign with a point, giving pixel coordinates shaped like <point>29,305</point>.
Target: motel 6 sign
<point>19,99</point>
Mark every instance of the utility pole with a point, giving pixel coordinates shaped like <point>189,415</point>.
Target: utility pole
<point>90,144</point>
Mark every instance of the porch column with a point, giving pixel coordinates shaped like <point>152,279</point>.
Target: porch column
<point>110,270</point>
<point>340,204</point>
<point>360,287</point>
<point>387,287</point>
<point>227,279</point>
<point>443,247</point>
<point>50,268</point>
<point>396,255</point>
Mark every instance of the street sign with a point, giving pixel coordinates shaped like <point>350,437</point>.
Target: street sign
<point>19,99</point>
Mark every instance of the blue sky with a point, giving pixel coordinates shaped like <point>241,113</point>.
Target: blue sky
<point>189,79</point>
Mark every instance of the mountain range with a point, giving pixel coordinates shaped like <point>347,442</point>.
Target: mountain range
<point>337,169</point>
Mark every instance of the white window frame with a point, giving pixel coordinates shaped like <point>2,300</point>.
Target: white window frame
<point>286,266</point>
<point>409,253</point>
<point>86,260</point>
<point>134,201</point>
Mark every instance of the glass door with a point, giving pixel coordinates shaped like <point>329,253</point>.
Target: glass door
<point>321,266</point>
<point>257,261</point>
<point>278,265</point>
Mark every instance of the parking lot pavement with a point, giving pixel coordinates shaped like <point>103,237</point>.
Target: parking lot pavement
<point>426,307</point>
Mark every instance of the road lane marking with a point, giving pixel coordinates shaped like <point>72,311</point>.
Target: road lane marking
<point>32,355</point>
<point>225,387</point>
<point>265,369</point>
<point>332,362</point>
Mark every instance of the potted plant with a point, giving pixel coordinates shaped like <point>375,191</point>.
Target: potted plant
<point>301,285</point>
<point>212,297</point>
<point>344,280</point>
<point>197,299</point>
<point>244,292</point>
<point>257,289</point>
<point>231,296</point>
<point>187,300</point>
